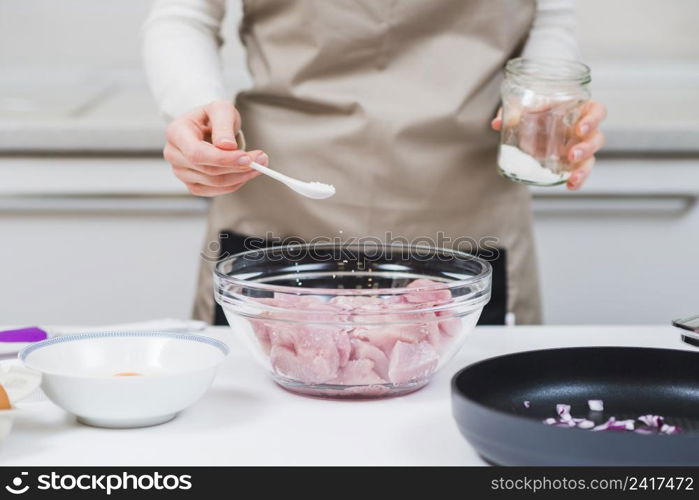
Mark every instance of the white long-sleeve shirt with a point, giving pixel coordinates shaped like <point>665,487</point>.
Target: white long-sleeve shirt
<point>181,48</point>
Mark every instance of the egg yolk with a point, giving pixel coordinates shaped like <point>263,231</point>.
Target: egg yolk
<point>4,399</point>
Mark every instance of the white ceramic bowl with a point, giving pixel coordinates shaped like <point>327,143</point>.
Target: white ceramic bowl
<point>81,374</point>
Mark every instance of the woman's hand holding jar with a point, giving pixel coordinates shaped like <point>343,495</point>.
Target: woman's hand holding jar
<point>550,130</point>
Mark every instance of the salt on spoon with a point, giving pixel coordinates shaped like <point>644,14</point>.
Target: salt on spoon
<point>315,190</point>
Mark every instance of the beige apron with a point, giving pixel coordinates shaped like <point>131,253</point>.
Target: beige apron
<point>390,101</point>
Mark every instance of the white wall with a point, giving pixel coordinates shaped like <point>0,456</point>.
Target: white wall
<point>71,32</point>
<point>88,33</point>
<point>105,33</point>
<point>86,268</point>
<point>638,29</point>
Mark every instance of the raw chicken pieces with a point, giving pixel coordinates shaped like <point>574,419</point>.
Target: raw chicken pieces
<point>412,362</point>
<point>358,340</point>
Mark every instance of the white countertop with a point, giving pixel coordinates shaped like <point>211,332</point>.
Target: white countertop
<point>245,419</point>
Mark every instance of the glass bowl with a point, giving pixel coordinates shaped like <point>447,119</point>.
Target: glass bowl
<point>352,320</point>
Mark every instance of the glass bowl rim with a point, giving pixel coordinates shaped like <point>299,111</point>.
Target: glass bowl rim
<point>484,274</point>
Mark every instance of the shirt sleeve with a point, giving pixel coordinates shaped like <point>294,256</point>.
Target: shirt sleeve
<point>181,44</point>
<point>553,31</point>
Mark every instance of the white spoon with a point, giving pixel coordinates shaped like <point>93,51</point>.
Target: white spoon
<point>315,190</point>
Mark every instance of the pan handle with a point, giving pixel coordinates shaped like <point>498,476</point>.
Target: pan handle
<point>691,323</point>
<point>690,329</point>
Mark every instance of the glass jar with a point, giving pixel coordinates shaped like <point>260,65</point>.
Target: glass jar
<point>542,100</point>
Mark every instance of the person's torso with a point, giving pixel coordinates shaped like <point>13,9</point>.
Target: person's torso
<point>390,101</point>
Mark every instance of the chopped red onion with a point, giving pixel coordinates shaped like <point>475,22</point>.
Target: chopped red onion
<point>622,425</point>
<point>655,421</point>
<point>586,424</point>
<point>562,409</point>
<point>605,425</point>
<point>670,429</point>
<point>653,424</point>
<point>595,404</point>
<point>526,404</point>
<point>563,412</point>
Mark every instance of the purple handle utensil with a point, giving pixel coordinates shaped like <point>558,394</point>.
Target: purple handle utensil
<point>29,334</point>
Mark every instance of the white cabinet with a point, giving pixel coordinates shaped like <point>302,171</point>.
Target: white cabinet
<point>96,241</point>
<point>625,249</point>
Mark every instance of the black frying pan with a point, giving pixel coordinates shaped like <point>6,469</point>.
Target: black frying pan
<point>488,396</point>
